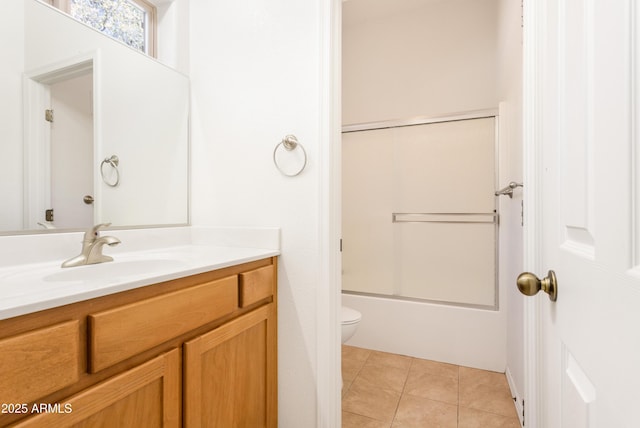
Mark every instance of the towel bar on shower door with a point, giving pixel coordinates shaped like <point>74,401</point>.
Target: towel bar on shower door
<point>444,218</point>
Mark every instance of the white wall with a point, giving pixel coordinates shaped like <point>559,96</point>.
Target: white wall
<point>410,58</point>
<point>11,47</point>
<point>173,35</point>
<point>259,72</point>
<point>510,56</point>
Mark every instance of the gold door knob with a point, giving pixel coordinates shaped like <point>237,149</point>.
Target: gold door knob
<point>529,284</point>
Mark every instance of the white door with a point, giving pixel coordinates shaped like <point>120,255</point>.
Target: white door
<point>583,203</point>
<point>72,151</point>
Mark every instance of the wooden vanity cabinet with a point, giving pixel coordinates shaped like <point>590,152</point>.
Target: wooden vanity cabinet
<point>229,374</point>
<point>193,352</point>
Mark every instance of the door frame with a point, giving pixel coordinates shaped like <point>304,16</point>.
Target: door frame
<point>533,45</point>
<point>37,135</point>
<point>37,157</point>
<point>329,302</point>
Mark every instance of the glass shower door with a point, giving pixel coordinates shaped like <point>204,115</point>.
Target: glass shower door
<point>419,218</point>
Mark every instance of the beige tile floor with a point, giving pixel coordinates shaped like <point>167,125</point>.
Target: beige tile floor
<point>382,390</point>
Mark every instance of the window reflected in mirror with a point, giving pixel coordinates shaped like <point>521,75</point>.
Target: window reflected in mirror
<point>133,22</point>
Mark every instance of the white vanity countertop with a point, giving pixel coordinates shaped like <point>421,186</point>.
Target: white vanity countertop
<point>31,287</point>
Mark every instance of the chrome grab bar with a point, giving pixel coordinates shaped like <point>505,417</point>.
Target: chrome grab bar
<point>509,189</point>
<point>444,218</point>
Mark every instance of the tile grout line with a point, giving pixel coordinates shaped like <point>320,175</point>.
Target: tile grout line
<point>360,369</point>
<point>404,385</point>
<point>358,372</point>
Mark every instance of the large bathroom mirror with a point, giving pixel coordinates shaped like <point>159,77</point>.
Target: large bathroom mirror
<point>92,130</point>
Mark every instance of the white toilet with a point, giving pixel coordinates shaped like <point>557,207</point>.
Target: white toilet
<point>350,320</point>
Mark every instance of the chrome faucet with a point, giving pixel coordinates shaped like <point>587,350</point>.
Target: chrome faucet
<point>92,248</point>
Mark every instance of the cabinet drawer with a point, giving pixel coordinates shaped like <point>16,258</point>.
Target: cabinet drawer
<point>39,362</point>
<point>256,285</point>
<point>119,333</point>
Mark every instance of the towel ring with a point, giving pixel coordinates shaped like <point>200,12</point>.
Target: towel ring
<point>113,161</point>
<point>290,142</point>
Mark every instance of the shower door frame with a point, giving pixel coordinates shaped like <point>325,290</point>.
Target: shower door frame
<point>455,117</point>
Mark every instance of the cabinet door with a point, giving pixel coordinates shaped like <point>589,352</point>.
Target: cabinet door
<point>230,374</point>
<point>145,396</point>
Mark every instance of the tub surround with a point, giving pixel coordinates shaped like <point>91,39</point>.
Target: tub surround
<point>455,335</point>
<point>31,278</point>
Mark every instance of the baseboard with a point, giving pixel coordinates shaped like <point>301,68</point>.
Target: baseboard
<point>518,400</point>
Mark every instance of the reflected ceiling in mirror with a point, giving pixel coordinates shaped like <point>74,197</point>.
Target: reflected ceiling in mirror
<point>76,100</point>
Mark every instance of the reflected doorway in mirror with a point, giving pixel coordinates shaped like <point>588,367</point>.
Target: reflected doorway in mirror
<point>59,135</point>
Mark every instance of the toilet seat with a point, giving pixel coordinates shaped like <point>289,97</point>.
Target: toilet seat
<point>350,316</point>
